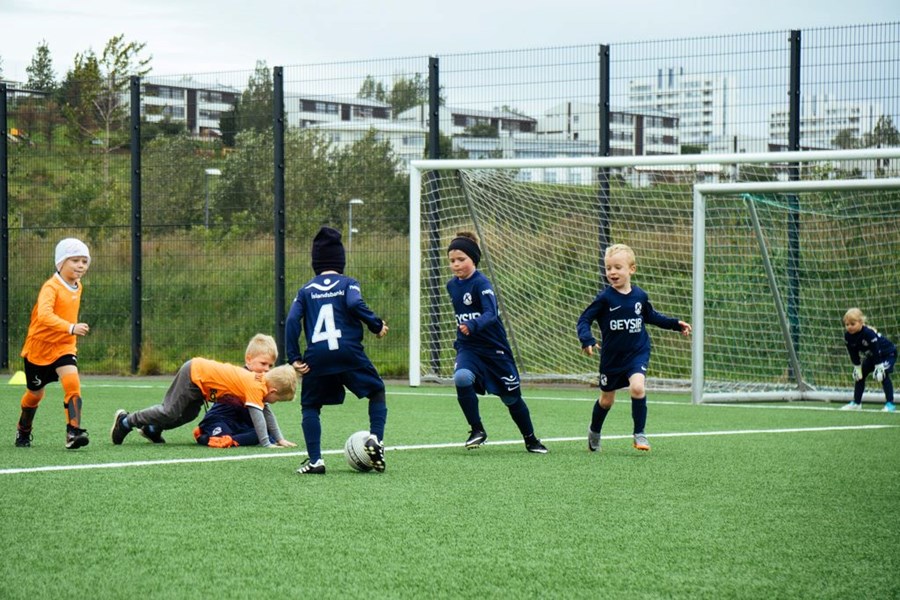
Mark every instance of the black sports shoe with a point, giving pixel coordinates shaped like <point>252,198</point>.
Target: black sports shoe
<point>314,468</point>
<point>153,434</point>
<point>532,444</point>
<point>119,431</point>
<point>476,438</point>
<point>375,450</point>
<point>23,440</point>
<point>76,438</point>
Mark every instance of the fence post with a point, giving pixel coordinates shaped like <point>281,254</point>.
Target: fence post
<point>4,234</point>
<point>136,249</point>
<point>278,208</point>
<point>430,232</point>
<point>793,232</point>
<point>603,235</point>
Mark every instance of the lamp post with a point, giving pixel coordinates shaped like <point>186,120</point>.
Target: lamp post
<point>213,173</point>
<point>350,230</point>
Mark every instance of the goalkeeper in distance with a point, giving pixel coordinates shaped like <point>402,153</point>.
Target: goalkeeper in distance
<point>870,353</point>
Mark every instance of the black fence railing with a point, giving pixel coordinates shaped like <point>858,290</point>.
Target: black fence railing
<point>198,194</point>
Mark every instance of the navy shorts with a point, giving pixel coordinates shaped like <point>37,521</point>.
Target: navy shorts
<point>869,364</point>
<point>319,390</point>
<point>226,419</point>
<point>495,373</point>
<point>37,376</point>
<point>617,378</point>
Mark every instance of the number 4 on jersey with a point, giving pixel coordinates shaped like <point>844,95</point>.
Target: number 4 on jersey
<point>325,329</point>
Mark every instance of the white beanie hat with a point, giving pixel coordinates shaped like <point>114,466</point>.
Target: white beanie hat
<point>68,248</point>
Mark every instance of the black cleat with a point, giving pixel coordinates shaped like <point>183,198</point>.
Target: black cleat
<point>534,445</point>
<point>23,439</point>
<point>375,450</point>
<point>76,438</point>
<point>315,468</point>
<point>476,438</point>
<point>119,431</point>
<point>153,434</point>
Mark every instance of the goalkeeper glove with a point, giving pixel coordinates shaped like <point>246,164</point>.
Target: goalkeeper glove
<point>879,373</point>
<point>857,373</point>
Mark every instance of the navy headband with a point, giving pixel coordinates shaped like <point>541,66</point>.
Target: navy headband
<point>468,247</point>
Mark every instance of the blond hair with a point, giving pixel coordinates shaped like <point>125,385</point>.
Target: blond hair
<point>284,381</point>
<point>626,250</point>
<point>262,344</point>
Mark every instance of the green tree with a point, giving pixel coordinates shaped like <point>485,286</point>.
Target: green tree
<point>173,184</point>
<point>368,169</point>
<point>883,135</point>
<point>408,92</point>
<point>40,72</point>
<point>372,90</point>
<point>845,139</point>
<point>256,104</point>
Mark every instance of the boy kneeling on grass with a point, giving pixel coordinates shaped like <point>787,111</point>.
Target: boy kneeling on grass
<point>201,380</point>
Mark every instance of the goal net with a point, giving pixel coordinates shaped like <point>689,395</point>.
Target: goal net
<point>544,224</point>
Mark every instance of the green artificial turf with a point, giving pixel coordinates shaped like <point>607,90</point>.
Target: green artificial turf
<point>738,501</point>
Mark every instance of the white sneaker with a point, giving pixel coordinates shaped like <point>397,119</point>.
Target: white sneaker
<point>852,406</point>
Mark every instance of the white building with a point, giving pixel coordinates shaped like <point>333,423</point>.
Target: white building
<point>821,119</point>
<point>198,105</point>
<point>455,121</point>
<point>703,103</point>
<point>631,133</point>
<point>304,111</point>
<point>407,140</point>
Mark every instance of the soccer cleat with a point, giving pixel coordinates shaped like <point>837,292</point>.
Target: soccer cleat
<point>852,406</point>
<point>534,445</point>
<point>153,434</point>
<point>221,441</point>
<point>593,440</point>
<point>641,443</point>
<point>889,407</point>
<point>476,438</point>
<point>23,439</point>
<point>201,437</point>
<point>375,450</point>
<point>119,431</point>
<point>312,468</point>
<point>76,438</point>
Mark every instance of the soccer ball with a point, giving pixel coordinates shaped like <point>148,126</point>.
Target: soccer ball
<point>355,452</point>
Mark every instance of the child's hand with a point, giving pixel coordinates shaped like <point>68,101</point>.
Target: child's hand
<point>80,329</point>
<point>464,328</point>
<point>685,328</point>
<point>589,350</point>
<point>301,367</point>
<point>384,330</point>
<point>286,444</point>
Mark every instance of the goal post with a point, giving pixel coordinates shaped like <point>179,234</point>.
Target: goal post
<point>850,216</point>
<point>542,223</point>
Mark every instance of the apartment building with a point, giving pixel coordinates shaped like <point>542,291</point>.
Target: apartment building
<point>306,111</point>
<point>454,121</point>
<point>822,118</point>
<point>631,133</point>
<point>198,105</point>
<point>703,103</point>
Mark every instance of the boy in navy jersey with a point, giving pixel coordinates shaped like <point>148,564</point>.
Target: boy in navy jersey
<point>622,311</point>
<point>870,352</point>
<point>331,312</point>
<point>484,360</point>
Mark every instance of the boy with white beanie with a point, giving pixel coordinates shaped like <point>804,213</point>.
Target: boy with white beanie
<point>50,352</point>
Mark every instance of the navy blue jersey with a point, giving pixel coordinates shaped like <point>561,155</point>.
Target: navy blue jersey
<point>331,312</point>
<point>622,319</point>
<point>868,344</point>
<point>475,304</point>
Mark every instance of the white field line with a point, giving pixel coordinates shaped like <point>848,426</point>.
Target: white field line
<point>279,454</point>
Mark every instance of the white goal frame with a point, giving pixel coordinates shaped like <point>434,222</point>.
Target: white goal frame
<point>702,193</point>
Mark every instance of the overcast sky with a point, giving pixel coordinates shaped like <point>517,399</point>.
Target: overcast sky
<point>207,36</point>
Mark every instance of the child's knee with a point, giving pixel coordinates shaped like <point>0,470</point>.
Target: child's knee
<point>463,378</point>
<point>31,398</point>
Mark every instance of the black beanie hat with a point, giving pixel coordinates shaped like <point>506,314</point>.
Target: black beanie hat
<point>328,251</point>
